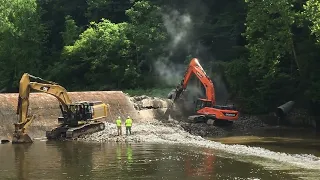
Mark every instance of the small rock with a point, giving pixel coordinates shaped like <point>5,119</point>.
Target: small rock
<point>3,141</point>
<point>210,122</point>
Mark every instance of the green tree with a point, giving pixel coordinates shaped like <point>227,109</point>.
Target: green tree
<point>312,14</point>
<point>109,55</point>
<point>149,38</point>
<point>99,56</point>
<point>21,38</point>
<point>270,46</point>
<point>146,30</point>
<point>71,31</point>
<point>114,10</point>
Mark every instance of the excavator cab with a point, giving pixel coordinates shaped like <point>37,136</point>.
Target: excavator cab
<point>80,112</point>
<point>201,103</point>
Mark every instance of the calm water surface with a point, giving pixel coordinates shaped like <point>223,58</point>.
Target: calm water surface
<point>78,160</point>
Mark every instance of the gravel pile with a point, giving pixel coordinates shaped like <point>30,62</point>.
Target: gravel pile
<point>246,125</point>
<point>163,131</point>
<point>154,131</point>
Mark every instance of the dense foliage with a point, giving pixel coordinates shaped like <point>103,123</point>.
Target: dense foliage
<point>266,51</point>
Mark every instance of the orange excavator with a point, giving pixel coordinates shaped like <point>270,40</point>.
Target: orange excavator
<point>206,108</point>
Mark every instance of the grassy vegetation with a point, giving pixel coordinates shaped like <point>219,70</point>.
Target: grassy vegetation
<point>154,92</point>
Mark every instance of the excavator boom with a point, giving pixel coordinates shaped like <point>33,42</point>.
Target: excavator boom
<point>75,116</point>
<point>205,108</point>
<point>196,69</point>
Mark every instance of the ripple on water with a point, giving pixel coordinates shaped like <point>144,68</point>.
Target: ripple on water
<point>162,133</point>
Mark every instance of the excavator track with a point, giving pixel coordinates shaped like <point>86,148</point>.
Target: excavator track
<point>85,129</point>
<point>66,133</point>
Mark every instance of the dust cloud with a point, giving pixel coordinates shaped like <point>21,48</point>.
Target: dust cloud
<point>171,74</point>
<point>181,31</point>
<point>178,27</point>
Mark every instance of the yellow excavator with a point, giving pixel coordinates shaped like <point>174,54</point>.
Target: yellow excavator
<point>79,118</point>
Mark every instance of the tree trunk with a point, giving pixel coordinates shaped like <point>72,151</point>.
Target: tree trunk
<point>296,59</point>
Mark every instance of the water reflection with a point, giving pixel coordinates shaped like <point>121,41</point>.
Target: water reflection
<point>124,150</point>
<point>119,151</point>
<point>204,167</point>
<point>78,160</point>
<point>20,152</point>
<point>129,153</point>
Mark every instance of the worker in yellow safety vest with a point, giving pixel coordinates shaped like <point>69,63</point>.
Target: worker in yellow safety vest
<point>128,125</point>
<point>118,122</point>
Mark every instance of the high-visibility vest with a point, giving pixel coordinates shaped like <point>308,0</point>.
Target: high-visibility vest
<point>118,121</point>
<point>129,122</point>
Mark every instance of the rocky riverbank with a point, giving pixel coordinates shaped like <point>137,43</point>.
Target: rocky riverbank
<point>172,130</point>
<point>246,125</point>
<point>163,111</point>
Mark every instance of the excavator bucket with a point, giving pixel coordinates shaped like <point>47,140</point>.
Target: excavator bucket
<point>20,138</point>
<point>19,135</point>
<point>172,94</point>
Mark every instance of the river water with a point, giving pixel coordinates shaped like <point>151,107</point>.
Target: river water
<point>158,156</point>
<point>81,160</point>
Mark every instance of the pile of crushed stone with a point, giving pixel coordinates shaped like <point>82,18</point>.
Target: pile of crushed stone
<point>246,125</point>
<point>150,130</point>
<point>153,131</point>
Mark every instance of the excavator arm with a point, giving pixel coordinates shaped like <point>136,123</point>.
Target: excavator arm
<point>196,69</point>
<point>25,88</point>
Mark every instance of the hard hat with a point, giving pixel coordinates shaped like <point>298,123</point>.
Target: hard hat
<point>119,117</point>
<point>128,117</point>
